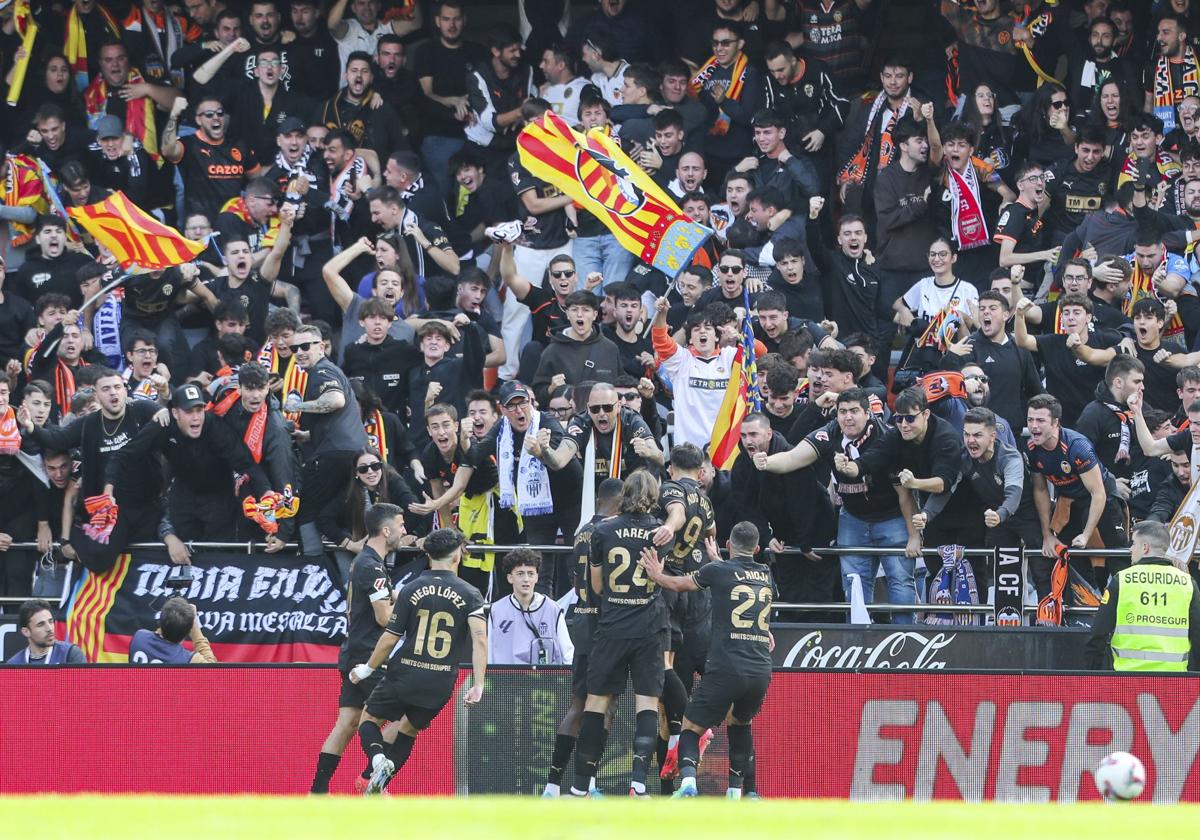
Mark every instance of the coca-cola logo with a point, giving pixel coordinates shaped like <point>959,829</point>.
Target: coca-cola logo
<point>908,649</point>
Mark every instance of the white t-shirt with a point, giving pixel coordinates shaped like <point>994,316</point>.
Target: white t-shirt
<point>564,99</point>
<point>612,88</point>
<point>699,387</point>
<point>926,298</point>
<point>358,38</point>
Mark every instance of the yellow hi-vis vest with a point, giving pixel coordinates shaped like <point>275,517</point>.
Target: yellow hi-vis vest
<point>1151,633</point>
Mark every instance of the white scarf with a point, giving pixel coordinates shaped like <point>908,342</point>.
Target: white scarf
<point>587,507</point>
<point>532,477</point>
<point>340,205</point>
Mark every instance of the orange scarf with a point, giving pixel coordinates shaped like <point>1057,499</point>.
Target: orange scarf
<point>737,84</point>
<point>10,433</point>
<point>76,48</point>
<point>139,113</point>
<point>295,379</point>
<point>855,170</point>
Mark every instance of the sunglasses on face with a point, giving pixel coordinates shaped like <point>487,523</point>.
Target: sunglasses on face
<point>566,272</point>
<point>302,347</point>
<point>628,395</point>
<point>984,379</point>
<point>905,419</point>
<point>602,408</point>
<point>210,114</point>
<point>724,42</point>
<point>729,269</point>
<point>1058,104</point>
<point>374,466</point>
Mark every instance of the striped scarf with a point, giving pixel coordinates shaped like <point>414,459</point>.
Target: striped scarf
<point>377,434</point>
<point>77,50</point>
<point>1165,97</point>
<point>855,170</point>
<point>22,188</point>
<point>1142,285</point>
<point>295,380</point>
<point>139,113</point>
<point>737,84</point>
<point>267,233</point>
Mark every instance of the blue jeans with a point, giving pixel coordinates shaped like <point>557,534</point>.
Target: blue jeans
<point>602,253</point>
<point>436,152</point>
<point>898,569</point>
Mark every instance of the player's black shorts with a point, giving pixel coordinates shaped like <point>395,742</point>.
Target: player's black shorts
<point>387,703</point>
<point>355,696</point>
<point>579,674</point>
<point>612,661</point>
<point>719,690</point>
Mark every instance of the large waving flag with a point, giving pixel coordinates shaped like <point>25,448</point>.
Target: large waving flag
<point>603,180</point>
<point>742,396</point>
<point>134,236</point>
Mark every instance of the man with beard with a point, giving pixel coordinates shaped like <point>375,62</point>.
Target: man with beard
<point>316,63</point>
<point>53,269</point>
<point>802,91</point>
<point>978,394</point>
<point>397,85</point>
<point>244,407</point>
<point>200,453</point>
<point>1020,231</point>
<point>611,440</point>
<point>212,165</point>
<point>443,66</point>
<point>1010,369</point>
<point>628,330</point>
<point>330,429</point>
<point>874,513</point>
<point>122,505</point>
<point>689,174</point>
<point>377,128</point>
<point>265,32</point>
<point>539,478</point>
<point>1172,74</point>
<point>1096,64</point>
<point>790,509</point>
<point>737,186</point>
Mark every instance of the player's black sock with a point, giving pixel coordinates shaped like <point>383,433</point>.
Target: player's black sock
<point>588,749</point>
<point>741,756</point>
<point>674,700</point>
<point>327,765</point>
<point>689,753</point>
<point>645,733</point>
<point>372,739</point>
<point>564,745</point>
<point>401,750</point>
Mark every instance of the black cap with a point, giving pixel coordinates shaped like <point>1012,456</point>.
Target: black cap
<point>510,391</point>
<point>50,220</point>
<point>291,124</point>
<point>188,396</point>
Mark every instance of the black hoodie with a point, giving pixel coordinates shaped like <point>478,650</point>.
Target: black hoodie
<point>595,359</point>
<point>1102,426</point>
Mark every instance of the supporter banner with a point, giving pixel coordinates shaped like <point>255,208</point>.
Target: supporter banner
<point>253,608</point>
<point>918,647</point>
<point>870,736</point>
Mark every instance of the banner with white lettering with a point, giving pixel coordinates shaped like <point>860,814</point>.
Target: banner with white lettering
<point>252,607</point>
<point>919,648</point>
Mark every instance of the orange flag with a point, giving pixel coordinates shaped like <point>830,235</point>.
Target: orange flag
<point>134,236</point>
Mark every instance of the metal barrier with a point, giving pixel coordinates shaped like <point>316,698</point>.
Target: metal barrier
<point>832,551</point>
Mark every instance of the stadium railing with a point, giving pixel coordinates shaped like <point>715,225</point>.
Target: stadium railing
<point>832,551</point>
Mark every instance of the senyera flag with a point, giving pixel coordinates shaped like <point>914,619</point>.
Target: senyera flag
<point>742,395</point>
<point>134,236</point>
<point>603,180</point>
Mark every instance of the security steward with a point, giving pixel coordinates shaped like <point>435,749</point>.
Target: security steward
<point>1149,617</point>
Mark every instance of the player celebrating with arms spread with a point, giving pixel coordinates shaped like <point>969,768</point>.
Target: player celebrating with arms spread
<point>433,613</point>
<point>738,670</point>
<point>630,633</point>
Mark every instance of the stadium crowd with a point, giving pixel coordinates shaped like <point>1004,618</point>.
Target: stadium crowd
<point>972,295</point>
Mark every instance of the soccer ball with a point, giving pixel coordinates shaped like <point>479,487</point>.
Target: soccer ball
<point>1120,776</point>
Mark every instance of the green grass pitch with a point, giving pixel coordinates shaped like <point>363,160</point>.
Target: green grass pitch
<point>615,818</point>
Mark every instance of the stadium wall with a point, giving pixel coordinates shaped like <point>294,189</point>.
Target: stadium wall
<point>881,735</point>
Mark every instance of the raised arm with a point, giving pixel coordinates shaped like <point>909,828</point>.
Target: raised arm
<point>508,271</point>
<point>339,289</point>
<point>798,457</point>
<point>205,72</point>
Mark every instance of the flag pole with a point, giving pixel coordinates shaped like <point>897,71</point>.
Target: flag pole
<point>105,290</point>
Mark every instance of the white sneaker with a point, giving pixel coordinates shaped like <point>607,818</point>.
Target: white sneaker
<point>551,791</point>
<point>733,793</point>
<point>505,232</point>
<point>381,772</point>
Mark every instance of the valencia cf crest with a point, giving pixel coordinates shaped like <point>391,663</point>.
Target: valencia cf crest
<point>608,182</point>
<point>1066,467</point>
<point>236,153</point>
<point>837,17</point>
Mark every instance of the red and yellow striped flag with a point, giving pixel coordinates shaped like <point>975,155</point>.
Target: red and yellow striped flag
<point>602,179</point>
<point>87,612</point>
<point>134,236</point>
